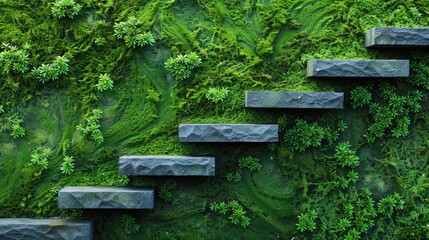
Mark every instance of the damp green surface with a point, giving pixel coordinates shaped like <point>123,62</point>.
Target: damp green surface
<point>244,45</point>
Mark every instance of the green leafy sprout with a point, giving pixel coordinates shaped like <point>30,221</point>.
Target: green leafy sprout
<point>67,167</point>
<point>181,67</point>
<point>65,8</point>
<point>129,224</point>
<point>131,33</point>
<point>104,83</point>
<point>216,94</point>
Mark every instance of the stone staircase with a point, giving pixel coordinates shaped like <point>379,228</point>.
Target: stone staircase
<point>137,198</point>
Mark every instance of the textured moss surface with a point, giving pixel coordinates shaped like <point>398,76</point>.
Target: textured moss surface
<point>244,45</point>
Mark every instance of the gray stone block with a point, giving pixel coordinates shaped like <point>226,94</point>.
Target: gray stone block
<point>306,100</point>
<point>228,132</point>
<point>397,37</point>
<point>106,198</point>
<point>166,166</point>
<point>45,229</point>
<point>358,68</point>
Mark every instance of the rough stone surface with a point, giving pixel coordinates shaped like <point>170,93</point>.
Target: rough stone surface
<point>228,132</point>
<point>312,100</point>
<point>167,166</point>
<point>397,37</point>
<point>106,198</point>
<point>45,229</point>
<point>358,68</point>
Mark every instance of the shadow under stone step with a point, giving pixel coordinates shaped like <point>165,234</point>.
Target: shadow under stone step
<point>228,133</point>
<point>46,229</point>
<point>166,166</point>
<point>397,37</point>
<point>358,68</point>
<point>106,198</point>
<point>305,100</point>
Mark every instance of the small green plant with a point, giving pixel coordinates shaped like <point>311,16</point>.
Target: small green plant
<point>1,109</point>
<point>387,205</point>
<point>217,94</point>
<point>360,96</point>
<point>129,224</point>
<point>251,163</point>
<point>52,71</point>
<point>132,34</point>
<point>304,135</point>
<point>235,211</point>
<point>104,82</point>
<point>181,67</point>
<point>233,177</point>
<point>307,221</point>
<point>65,8</point>
<point>67,167</point>
<point>92,125</point>
<point>13,59</point>
<point>166,194</point>
<point>40,157</point>
<point>17,131</point>
<point>345,156</point>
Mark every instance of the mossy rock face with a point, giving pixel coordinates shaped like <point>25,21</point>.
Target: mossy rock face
<point>244,45</point>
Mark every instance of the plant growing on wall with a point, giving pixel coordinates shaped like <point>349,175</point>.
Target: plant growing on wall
<point>234,210</point>
<point>40,157</point>
<point>92,126</point>
<point>17,131</point>
<point>132,34</point>
<point>104,83</point>
<point>129,224</point>
<point>307,221</point>
<point>360,97</point>
<point>233,177</point>
<point>53,70</point>
<point>252,163</point>
<point>67,167</point>
<point>65,8</point>
<point>181,67</point>
<point>217,94</point>
<point>13,59</point>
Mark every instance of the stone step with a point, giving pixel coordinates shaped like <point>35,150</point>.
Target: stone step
<point>358,68</point>
<point>228,133</point>
<point>46,229</point>
<point>106,198</point>
<point>166,166</point>
<point>305,100</point>
<point>397,37</point>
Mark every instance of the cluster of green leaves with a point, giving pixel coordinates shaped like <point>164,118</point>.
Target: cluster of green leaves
<point>234,210</point>
<point>13,59</point>
<point>166,194</point>
<point>345,156</point>
<point>53,70</point>
<point>17,131</point>
<point>419,74</point>
<point>360,96</point>
<point>92,125</point>
<point>305,135</point>
<point>129,224</point>
<point>233,177</point>
<point>1,109</point>
<point>104,82</point>
<point>307,221</point>
<point>40,157</point>
<point>67,167</point>
<point>181,67</point>
<point>392,113</point>
<point>252,163</point>
<point>132,34</point>
<point>217,94</point>
<point>387,205</point>
<point>65,8</point>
